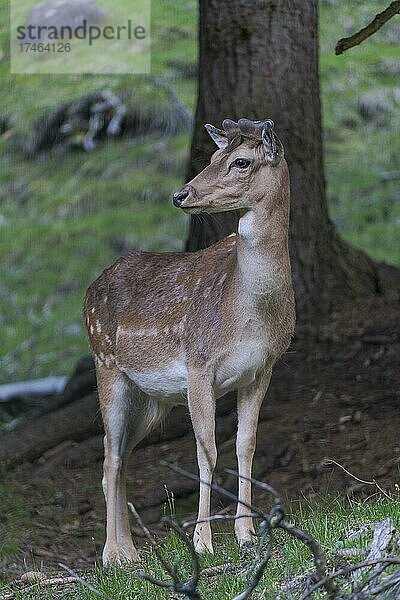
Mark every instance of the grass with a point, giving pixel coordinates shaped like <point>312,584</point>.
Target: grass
<point>63,218</point>
<point>15,522</point>
<point>330,522</point>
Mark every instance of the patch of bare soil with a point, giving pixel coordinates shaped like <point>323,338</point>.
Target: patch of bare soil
<point>335,395</point>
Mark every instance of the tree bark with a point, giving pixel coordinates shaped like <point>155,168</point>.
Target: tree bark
<point>259,59</point>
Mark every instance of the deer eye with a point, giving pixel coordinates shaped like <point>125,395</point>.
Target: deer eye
<point>241,163</point>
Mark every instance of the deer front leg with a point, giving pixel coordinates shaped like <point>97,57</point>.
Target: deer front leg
<point>201,402</point>
<point>249,404</point>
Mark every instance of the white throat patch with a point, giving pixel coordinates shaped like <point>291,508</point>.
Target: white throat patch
<point>246,225</point>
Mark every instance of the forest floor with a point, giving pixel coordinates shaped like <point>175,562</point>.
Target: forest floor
<point>333,397</point>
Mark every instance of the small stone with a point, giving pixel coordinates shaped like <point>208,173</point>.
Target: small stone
<point>32,577</point>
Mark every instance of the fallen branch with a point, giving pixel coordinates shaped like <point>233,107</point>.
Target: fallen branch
<point>276,520</point>
<point>35,387</point>
<point>361,586</point>
<point>379,20</point>
<point>381,542</point>
<point>39,583</point>
<point>347,570</point>
<point>269,521</point>
<point>85,584</point>
<point>188,588</point>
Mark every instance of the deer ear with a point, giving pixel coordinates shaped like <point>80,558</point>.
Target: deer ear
<point>272,146</point>
<point>218,135</point>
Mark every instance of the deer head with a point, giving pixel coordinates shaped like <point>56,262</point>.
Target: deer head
<point>246,168</point>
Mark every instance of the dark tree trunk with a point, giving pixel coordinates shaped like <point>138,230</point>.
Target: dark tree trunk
<point>259,59</point>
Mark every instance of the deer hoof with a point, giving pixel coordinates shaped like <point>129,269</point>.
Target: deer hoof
<point>203,548</point>
<point>244,532</point>
<point>120,556</point>
<point>202,541</point>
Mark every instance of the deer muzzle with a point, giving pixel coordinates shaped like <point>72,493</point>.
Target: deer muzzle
<point>187,198</point>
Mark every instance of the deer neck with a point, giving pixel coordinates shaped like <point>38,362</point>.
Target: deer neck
<point>263,265</point>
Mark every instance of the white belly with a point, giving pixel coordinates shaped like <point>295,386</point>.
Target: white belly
<point>241,364</point>
<point>167,382</point>
<point>235,368</point>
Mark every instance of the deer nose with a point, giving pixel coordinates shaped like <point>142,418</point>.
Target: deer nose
<point>179,197</point>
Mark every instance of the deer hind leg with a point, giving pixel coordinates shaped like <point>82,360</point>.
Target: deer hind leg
<point>201,402</point>
<point>127,417</point>
<point>249,404</point>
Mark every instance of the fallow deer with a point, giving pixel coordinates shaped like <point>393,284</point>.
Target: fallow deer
<point>186,328</point>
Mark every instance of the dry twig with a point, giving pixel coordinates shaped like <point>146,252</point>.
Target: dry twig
<point>381,542</point>
<point>188,588</point>
<point>269,521</point>
<point>85,584</point>
<point>330,461</point>
<point>372,27</point>
<point>347,570</point>
<point>275,519</point>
